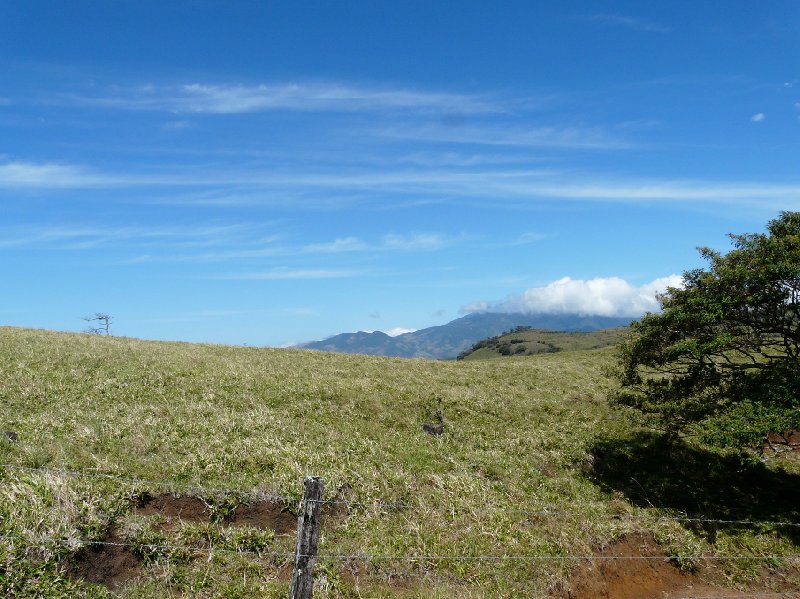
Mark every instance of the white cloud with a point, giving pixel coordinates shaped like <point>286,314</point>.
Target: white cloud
<point>425,241</point>
<point>528,238</point>
<point>758,117</point>
<point>344,190</point>
<point>344,244</point>
<point>91,236</point>
<point>396,331</point>
<point>610,296</point>
<point>634,23</point>
<point>581,138</point>
<point>286,274</point>
<point>240,99</point>
<point>176,125</point>
<point>47,175</point>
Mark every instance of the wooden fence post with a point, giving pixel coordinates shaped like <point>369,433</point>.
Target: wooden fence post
<point>308,527</point>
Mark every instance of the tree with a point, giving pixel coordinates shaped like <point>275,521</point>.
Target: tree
<point>722,358</point>
<point>99,323</point>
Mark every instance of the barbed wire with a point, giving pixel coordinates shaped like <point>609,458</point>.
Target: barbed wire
<point>75,543</point>
<point>395,505</point>
<point>521,558</point>
<point>780,595</point>
<point>152,483</point>
<point>79,544</point>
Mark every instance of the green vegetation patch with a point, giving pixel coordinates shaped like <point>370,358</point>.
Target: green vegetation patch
<point>201,452</point>
<point>526,341</point>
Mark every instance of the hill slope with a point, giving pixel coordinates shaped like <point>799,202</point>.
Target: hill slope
<point>523,341</point>
<point>203,450</point>
<point>448,340</point>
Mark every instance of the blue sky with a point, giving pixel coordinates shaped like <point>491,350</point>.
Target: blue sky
<point>270,173</point>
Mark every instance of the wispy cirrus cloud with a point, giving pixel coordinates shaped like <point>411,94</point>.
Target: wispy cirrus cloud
<point>424,241</point>
<point>19,174</point>
<point>265,248</point>
<point>389,242</point>
<point>79,237</point>
<point>203,98</point>
<point>339,190</point>
<point>634,23</point>
<point>290,274</point>
<point>528,238</point>
<point>576,138</point>
<point>337,246</point>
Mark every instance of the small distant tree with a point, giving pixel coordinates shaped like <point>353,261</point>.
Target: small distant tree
<point>722,358</point>
<point>99,323</point>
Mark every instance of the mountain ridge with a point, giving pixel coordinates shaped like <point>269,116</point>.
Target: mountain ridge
<point>446,341</point>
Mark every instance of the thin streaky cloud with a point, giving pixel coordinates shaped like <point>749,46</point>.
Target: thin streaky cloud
<point>454,159</point>
<point>286,274</point>
<point>20,174</point>
<point>343,190</point>
<point>528,238</point>
<point>575,138</point>
<point>201,98</point>
<point>634,23</point>
<point>345,244</point>
<point>425,242</point>
<point>87,237</point>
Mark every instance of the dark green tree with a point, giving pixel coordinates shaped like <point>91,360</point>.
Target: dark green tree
<point>722,358</point>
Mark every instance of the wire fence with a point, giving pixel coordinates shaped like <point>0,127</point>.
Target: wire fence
<point>76,544</point>
<point>540,511</point>
<point>787,595</point>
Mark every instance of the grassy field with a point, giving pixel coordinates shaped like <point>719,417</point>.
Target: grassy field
<point>522,437</point>
<point>533,341</point>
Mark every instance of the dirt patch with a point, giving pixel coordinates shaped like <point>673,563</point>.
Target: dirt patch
<point>107,563</point>
<point>188,509</point>
<point>636,578</point>
<point>266,515</point>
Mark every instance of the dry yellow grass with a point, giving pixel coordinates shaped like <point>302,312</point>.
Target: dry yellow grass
<point>517,441</point>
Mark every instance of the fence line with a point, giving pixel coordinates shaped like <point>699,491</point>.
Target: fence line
<point>396,505</point>
<point>784,595</point>
<point>145,482</point>
<point>75,543</point>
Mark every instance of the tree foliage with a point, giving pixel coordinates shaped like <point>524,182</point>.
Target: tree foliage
<point>722,358</point>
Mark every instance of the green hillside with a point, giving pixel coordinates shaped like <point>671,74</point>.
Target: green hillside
<point>532,471</point>
<point>525,341</point>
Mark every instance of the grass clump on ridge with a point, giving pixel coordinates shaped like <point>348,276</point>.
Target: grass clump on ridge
<point>520,437</point>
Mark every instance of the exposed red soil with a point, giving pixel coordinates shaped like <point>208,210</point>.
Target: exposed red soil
<point>266,515</point>
<point>110,565</point>
<point>638,578</point>
<point>263,514</point>
<point>188,509</point>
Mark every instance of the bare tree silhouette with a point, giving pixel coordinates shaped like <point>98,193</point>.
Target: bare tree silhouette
<point>99,323</point>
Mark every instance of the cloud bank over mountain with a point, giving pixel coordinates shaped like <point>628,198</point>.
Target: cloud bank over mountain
<point>610,296</point>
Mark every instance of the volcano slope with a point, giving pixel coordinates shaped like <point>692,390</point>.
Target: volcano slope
<point>150,469</point>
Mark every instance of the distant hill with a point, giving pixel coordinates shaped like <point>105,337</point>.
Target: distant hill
<point>448,340</point>
<point>525,341</point>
